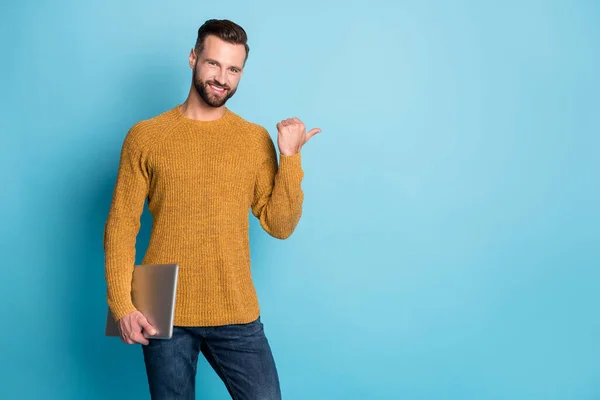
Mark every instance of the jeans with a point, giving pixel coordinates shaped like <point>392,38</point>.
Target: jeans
<point>239,354</point>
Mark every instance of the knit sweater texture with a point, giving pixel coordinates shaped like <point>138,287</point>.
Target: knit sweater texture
<point>201,180</point>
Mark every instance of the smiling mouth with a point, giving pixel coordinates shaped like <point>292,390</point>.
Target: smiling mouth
<point>217,89</point>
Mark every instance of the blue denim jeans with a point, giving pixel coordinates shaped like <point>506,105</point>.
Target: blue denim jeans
<point>239,354</point>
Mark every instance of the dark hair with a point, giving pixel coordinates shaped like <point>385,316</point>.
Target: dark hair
<point>225,30</point>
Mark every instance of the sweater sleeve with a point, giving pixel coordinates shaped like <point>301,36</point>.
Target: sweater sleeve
<point>278,195</point>
<point>123,223</point>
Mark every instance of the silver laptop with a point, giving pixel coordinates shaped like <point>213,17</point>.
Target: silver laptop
<point>153,293</point>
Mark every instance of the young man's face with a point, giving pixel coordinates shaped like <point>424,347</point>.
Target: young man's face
<point>217,71</point>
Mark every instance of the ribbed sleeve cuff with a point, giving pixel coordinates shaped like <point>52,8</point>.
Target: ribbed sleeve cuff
<point>119,295</point>
<point>121,309</point>
<point>290,167</point>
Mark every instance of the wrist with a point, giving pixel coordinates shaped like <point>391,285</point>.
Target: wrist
<point>289,153</point>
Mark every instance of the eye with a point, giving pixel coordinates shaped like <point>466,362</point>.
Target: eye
<point>212,63</point>
<point>235,70</point>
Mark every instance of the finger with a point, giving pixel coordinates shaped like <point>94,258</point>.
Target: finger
<point>124,337</point>
<point>145,325</point>
<point>139,338</point>
<point>312,133</point>
<point>299,123</point>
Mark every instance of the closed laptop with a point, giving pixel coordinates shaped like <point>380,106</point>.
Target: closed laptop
<point>153,293</point>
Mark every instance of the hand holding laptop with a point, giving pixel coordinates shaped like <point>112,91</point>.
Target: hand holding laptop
<point>153,293</point>
<point>133,326</point>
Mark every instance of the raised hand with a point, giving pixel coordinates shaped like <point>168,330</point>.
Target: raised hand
<point>292,135</point>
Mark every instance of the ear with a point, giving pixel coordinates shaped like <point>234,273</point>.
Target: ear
<point>192,58</point>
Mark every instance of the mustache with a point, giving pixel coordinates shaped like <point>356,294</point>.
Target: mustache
<point>218,85</point>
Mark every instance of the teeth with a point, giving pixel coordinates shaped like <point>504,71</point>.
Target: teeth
<point>217,89</point>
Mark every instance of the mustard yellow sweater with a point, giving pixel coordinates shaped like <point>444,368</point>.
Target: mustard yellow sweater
<point>201,179</point>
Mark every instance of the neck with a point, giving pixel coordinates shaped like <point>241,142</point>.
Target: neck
<point>195,108</point>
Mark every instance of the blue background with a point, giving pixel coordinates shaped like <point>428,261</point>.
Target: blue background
<point>449,243</point>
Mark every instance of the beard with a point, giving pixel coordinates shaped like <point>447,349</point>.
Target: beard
<point>210,97</point>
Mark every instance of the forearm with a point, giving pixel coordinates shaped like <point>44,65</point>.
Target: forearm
<point>280,211</point>
<point>119,250</point>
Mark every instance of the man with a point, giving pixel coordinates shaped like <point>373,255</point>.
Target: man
<point>203,169</point>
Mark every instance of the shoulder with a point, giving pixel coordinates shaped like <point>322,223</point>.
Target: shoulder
<point>255,133</point>
<point>145,133</point>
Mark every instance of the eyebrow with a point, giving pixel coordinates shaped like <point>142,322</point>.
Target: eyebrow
<point>218,63</point>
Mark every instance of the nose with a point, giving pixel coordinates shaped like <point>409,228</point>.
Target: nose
<point>220,77</point>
